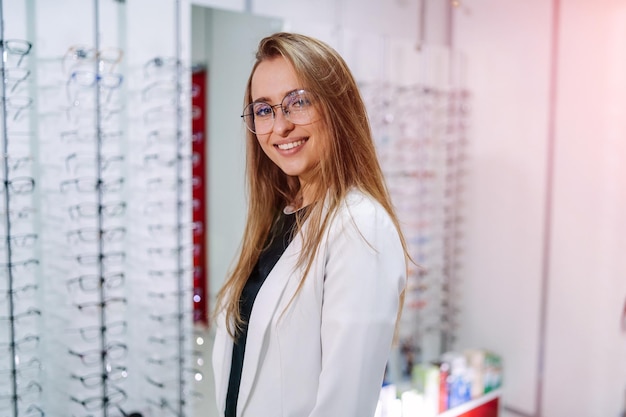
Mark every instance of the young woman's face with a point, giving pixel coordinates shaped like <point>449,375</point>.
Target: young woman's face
<point>295,148</point>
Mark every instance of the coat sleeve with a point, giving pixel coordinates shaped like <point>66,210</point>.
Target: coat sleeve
<point>365,273</point>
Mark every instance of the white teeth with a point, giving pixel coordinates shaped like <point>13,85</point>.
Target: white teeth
<point>291,145</point>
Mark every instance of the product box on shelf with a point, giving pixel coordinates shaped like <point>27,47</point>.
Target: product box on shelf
<point>457,378</point>
<point>427,380</point>
<point>486,369</point>
<point>448,386</point>
<point>459,381</point>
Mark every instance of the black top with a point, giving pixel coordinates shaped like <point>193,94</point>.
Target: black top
<point>278,240</point>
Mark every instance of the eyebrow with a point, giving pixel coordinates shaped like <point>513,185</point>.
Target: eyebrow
<point>266,99</point>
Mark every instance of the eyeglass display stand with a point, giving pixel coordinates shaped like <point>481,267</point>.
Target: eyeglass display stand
<point>418,126</point>
<point>110,146</point>
<point>13,399</point>
<point>161,72</point>
<point>102,293</point>
<point>8,255</point>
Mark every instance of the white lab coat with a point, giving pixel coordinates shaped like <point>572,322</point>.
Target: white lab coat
<point>324,354</point>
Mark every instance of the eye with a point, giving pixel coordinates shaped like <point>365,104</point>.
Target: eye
<point>297,101</point>
<point>262,110</point>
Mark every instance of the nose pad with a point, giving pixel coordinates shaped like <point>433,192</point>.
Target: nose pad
<point>281,122</point>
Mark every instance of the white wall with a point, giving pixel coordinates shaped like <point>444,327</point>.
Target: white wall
<point>325,18</point>
<point>588,267</point>
<point>508,50</point>
<point>508,78</point>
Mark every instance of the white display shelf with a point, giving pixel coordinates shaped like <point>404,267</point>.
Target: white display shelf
<point>471,405</point>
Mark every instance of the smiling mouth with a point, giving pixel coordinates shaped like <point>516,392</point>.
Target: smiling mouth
<point>291,145</point>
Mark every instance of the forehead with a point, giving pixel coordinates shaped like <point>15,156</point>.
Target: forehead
<point>272,79</point>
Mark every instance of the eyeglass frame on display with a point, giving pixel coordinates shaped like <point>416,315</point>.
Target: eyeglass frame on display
<point>5,45</point>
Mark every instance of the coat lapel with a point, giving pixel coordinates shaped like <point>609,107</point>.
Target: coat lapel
<point>222,356</point>
<point>263,311</point>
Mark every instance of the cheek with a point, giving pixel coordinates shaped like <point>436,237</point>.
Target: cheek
<point>323,143</point>
<point>263,141</point>
<point>265,147</point>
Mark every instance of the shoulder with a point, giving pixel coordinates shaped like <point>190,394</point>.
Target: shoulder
<point>362,213</point>
<point>362,206</point>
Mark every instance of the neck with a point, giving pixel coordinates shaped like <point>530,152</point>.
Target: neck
<point>305,196</point>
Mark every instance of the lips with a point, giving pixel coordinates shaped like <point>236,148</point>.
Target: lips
<point>290,145</point>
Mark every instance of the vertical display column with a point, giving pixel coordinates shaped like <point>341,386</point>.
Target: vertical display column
<point>199,194</point>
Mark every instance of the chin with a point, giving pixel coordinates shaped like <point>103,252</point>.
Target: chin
<point>292,171</point>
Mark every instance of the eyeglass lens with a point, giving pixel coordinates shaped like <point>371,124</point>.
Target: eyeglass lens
<point>297,107</point>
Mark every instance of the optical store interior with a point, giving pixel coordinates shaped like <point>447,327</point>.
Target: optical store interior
<point>501,131</point>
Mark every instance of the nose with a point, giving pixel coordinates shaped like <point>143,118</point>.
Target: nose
<point>282,125</point>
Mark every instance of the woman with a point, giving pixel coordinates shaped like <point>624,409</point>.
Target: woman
<point>306,319</point>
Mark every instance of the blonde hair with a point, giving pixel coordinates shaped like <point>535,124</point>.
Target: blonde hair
<point>349,161</point>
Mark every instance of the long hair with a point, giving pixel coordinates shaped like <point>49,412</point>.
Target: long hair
<point>349,161</point>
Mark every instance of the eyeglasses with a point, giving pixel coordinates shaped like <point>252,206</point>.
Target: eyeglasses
<point>163,404</point>
<point>25,240</point>
<point>17,47</point>
<point>174,273</point>
<point>114,396</point>
<point>91,184</point>
<point>19,163</point>
<point>95,356</point>
<point>160,65</point>
<point>34,411</point>
<point>92,333</point>
<point>20,292</point>
<point>14,77</point>
<point>90,210</point>
<point>94,380</point>
<point>297,107</point>
<point>19,185</point>
<point>19,316</point>
<point>28,394</point>
<point>25,344</point>
<point>28,370</point>
<point>111,258</point>
<point>95,307</point>
<point>77,162</point>
<point>170,383</point>
<point>23,213</point>
<point>83,235</point>
<point>92,283</point>
<point>78,54</point>
<point>19,267</point>
<point>90,79</point>
<point>167,318</point>
<point>90,137</point>
<point>18,105</point>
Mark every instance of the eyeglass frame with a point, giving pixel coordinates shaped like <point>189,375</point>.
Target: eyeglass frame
<point>93,403</point>
<point>93,357</point>
<point>8,47</point>
<point>248,108</point>
<point>85,53</point>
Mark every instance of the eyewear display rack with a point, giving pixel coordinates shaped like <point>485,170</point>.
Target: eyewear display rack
<point>420,131</point>
<point>97,231</point>
<point>19,336</point>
